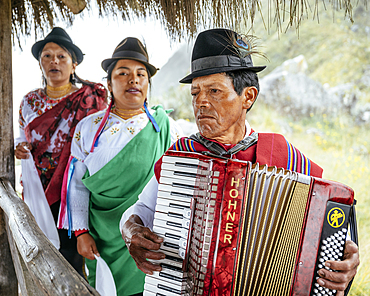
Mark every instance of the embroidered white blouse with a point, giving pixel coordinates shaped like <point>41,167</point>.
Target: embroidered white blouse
<point>34,104</point>
<point>115,136</point>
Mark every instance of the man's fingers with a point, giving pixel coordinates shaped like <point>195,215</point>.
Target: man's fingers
<point>344,270</point>
<point>147,266</point>
<point>350,258</point>
<point>146,240</point>
<point>326,281</point>
<point>148,234</point>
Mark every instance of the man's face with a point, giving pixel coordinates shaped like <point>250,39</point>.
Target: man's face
<point>219,111</point>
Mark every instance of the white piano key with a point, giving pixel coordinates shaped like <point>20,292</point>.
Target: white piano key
<point>182,232</point>
<point>170,252</point>
<point>170,224</point>
<point>184,170</point>
<point>176,176</point>
<point>183,222</point>
<point>170,260</point>
<point>149,293</point>
<point>185,160</point>
<point>180,282</point>
<point>181,191</point>
<point>175,196</point>
<point>192,183</point>
<point>173,203</point>
<point>184,212</point>
<point>160,290</point>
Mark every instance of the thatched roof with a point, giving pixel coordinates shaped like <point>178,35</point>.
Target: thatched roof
<point>180,17</point>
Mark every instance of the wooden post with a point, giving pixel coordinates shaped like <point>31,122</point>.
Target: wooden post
<point>6,96</point>
<point>8,279</point>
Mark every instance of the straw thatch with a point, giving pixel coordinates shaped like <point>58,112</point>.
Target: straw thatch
<point>179,17</point>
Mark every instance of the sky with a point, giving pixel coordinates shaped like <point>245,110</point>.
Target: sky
<point>97,38</point>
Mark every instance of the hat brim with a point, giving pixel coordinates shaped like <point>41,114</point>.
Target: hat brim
<point>107,62</point>
<point>70,46</point>
<point>206,72</point>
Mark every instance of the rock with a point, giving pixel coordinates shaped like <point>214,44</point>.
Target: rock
<point>362,114</point>
<point>289,90</point>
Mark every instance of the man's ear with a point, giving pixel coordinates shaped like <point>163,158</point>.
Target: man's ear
<point>250,95</point>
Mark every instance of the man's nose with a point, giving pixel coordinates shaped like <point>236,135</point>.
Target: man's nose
<point>201,100</point>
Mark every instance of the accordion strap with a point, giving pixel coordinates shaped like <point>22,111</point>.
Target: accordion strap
<point>354,236</point>
<point>219,150</point>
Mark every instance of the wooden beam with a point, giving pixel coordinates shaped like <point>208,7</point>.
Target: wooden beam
<point>49,270</point>
<point>76,6</point>
<point>8,279</point>
<point>27,285</point>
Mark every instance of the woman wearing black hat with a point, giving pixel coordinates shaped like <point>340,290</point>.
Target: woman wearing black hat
<point>114,153</point>
<point>48,117</point>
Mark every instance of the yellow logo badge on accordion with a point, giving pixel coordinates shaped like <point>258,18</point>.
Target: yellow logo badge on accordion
<point>336,217</point>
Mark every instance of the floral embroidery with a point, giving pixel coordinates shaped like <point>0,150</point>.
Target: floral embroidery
<point>114,130</point>
<point>78,136</point>
<point>39,102</point>
<point>131,130</point>
<point>21,118</point>
<point>98,119</point>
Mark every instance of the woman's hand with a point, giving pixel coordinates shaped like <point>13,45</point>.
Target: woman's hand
<point>86,246</point>
<point>21,152</point>
<point>141,242</point>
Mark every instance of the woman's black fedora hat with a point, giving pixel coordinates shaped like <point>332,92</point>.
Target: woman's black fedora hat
<point>60,37</point>
<point>131,49</point>
<point>217,51</point>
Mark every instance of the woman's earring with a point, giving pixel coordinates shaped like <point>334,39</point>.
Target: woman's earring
<point>43,81</point>
<point>73,78</point>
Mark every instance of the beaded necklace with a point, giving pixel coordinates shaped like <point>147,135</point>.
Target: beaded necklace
<point>124,115</point>
<point>58,92</point>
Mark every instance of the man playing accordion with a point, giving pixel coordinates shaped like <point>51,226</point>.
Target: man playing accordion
<point>224,86</point>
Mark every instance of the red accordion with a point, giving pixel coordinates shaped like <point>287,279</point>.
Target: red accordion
<point>233,228</point>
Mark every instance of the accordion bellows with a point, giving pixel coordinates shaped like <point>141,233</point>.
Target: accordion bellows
<point>233,228</point>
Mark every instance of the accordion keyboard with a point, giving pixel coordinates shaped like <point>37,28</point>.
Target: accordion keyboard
<point>233,228</point>
<point>181,180</point>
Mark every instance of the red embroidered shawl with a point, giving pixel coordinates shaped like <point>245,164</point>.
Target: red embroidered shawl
<point>87,100</point>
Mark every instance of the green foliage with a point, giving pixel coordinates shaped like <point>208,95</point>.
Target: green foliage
<point>343,151</point>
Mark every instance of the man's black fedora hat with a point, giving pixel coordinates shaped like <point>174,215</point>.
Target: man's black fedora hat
<point>131,49</point>
<point>218,51</point>
<point>60,37</point>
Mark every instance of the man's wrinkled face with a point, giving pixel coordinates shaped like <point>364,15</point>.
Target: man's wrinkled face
<point>219,111</point>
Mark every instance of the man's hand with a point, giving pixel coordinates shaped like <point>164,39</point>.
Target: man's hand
<point>140,241</point>
<point>21,152</point>
<point>86,246</point>
<point>345,270</point>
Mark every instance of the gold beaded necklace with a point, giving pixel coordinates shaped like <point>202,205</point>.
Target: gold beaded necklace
<point>58,92</point>
<point>124,115</point>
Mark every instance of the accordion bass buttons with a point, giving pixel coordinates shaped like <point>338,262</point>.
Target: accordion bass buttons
<point>333,239</point>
